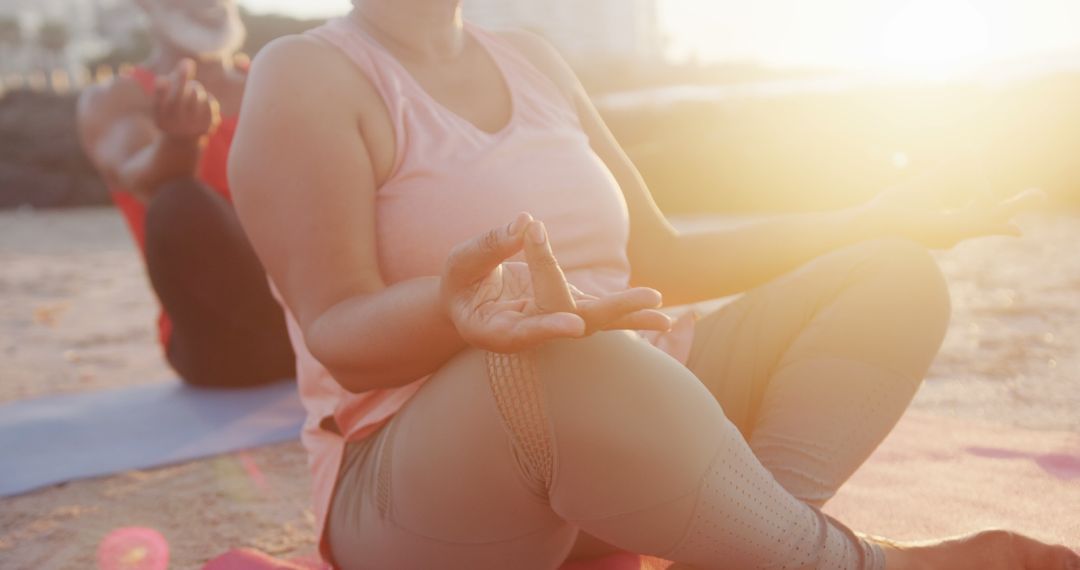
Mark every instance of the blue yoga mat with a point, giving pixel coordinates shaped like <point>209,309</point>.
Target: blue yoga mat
<point>45,441</point>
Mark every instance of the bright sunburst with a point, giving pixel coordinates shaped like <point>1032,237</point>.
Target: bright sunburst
<point>931,37</point>
<point>935,36</point>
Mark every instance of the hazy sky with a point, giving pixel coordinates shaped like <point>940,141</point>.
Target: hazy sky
<point>847,33</point>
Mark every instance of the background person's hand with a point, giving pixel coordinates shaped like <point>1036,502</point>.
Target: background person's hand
<point>511,306</point>
<point>183,108</point>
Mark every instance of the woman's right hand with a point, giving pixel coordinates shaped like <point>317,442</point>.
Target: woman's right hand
<point>511,306</point>
<point>986,550</point>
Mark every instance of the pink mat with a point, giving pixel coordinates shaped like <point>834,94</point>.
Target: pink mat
<point>932,477</point>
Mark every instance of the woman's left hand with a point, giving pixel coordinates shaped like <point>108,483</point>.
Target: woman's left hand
<point>904,212</point>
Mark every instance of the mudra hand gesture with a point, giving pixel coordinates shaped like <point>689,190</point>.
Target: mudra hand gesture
<point>913,209</point>
<point>507,307</point>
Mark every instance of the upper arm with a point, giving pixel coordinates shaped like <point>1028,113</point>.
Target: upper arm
<point>301,177</point>
<point>649,229</point>
<point>114,125</point>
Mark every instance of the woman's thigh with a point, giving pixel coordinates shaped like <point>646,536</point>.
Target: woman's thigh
<point>441,486</point>
<point>459,477</point>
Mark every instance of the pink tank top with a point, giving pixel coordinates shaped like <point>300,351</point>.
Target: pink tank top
<point>452,181</point>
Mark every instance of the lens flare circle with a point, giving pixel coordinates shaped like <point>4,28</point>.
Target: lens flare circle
<point>133,548</point>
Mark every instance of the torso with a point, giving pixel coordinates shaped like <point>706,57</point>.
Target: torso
<point>471,164</point>
<point>455,152</point>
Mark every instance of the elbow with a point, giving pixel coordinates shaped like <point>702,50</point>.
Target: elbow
<point>357,380</point>
<point>349,372</point>
<point>355,369</point>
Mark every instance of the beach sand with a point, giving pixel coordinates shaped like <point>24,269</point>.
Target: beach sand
<point>76,314</point>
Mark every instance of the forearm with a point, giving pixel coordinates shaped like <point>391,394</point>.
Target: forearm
<point>385,339</point>
<point>700,265</point>
<point>167,158</point>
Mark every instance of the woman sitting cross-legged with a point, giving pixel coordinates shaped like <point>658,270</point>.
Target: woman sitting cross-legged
<point>477,398</point>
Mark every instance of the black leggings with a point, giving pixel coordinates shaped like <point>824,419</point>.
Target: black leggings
<point>228,331</point>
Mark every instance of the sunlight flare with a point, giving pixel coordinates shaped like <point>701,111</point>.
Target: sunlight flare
<point>935,36</point>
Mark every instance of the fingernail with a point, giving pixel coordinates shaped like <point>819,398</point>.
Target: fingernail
<point>537,234</point>
<point>515,226</point>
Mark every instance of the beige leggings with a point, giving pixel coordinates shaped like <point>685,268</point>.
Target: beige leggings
<point>501,461</point>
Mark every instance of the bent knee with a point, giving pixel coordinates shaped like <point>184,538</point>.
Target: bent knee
<point>631,425</point>
<point>912,275</point>
<point>908,258</point>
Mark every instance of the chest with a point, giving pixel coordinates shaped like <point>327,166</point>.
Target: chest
<point>471,87</point>
<point>436,201</point>
<point>470,93</point>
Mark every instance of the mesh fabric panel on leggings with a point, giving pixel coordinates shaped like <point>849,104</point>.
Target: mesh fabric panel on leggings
<point>742,513</point>
<point>519,398</point>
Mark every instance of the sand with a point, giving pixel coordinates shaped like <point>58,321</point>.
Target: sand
<point>76,315</point>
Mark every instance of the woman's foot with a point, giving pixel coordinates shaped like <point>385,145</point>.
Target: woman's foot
<point>985,550</point>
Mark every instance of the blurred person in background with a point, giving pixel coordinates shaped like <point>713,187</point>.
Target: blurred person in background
<point>160,138</point>
<point>471,268</point>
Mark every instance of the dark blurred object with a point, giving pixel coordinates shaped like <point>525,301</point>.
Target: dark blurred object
<point>41,162</point>
<point>54,37</point>
<point>11,33</point>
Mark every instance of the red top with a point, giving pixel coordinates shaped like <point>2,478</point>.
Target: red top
<point>212,172</point>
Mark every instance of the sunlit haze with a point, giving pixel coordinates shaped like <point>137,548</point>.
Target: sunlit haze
<point>918,35</point>
<point>874,33</point>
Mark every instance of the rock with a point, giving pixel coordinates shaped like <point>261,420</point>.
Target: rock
<point>41,162</point>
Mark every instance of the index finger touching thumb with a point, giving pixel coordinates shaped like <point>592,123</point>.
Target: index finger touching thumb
<point>550,287</point>
<point>474,259</point>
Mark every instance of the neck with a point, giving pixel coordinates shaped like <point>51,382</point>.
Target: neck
<point>429,30</point>
<point>208,70</point>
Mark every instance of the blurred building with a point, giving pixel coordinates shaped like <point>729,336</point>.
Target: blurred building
<point>50,34</point>
<point>583,30</point>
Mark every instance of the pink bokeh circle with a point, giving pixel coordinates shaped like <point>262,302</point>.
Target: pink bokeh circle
<point>133,548</point>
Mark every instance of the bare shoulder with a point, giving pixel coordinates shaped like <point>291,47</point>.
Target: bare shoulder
<point>544,56</point>
<point>105,102</point>
<point>301,63</point>
<point>292,53</point>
